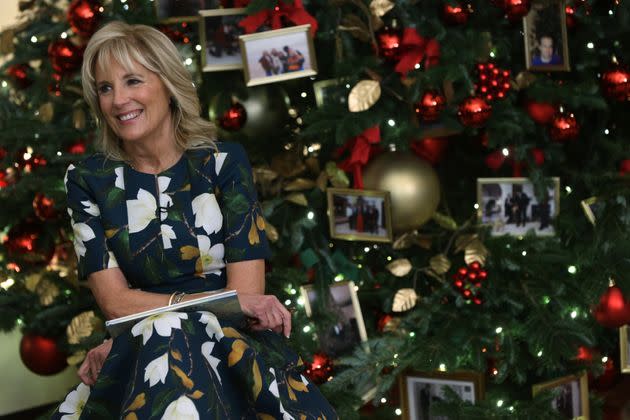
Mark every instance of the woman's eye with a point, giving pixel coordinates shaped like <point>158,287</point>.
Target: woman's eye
<point>133,81</point>
<point>103,89</point>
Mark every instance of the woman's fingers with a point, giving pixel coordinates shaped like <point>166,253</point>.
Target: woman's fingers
<point>268,312</point>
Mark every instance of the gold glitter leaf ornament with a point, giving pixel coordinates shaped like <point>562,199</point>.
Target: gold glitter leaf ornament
<point>82,326</point>
<point>363,95</point>
<point>404,299</point>
<point>400,267</point>
<point>440,264</point>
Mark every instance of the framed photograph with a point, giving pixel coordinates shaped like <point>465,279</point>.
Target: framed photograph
<point>330,91</point>
<point>571,395</point>
<point>624,349</point>
<point>359,215</point>
<point>419,390</point>
<point>274,56</point>
<point>510,206</point>
<point>546,45</point>
<point>221,49</point>
<point>342,303</point>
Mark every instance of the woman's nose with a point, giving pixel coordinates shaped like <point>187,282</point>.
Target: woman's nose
<point>120,96</point>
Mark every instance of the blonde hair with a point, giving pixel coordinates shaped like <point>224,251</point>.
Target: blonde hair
<point>152,49</point>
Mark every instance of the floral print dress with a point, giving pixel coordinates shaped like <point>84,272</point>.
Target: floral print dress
<point>175,231</point>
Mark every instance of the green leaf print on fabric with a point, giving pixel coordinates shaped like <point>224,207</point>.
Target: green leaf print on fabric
<point>152,269</point>
<point>114,198</point>
<point>236,203</point>
<point>246,178</point>
<point>162,400</point>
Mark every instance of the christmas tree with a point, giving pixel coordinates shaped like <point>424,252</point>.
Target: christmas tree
<point>445,186</point>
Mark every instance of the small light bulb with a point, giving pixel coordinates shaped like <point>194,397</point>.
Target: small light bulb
<point>568,189</point>
<point>606,131</point>
<point>292,291</point>
<point>610,12</point>
<point>398,411</point>
<point>188,61</point>
<point>442,367</point>
<point>198,47</point>
<point>64,35</point>
<point>303,94</point>
<point>383,400</point>
<point>417,66</point>
<point>605,359</point>
<point>524,253</point>
<point>476,206</point>
<point>391,122</point>
<point>500,403</point>
<point>7,283</point>
<point>389,258</point>
<point>366,249</point>
<point>359,265</point>
<point>33,39</point>
<point>300,301</point>
<point>306,328</point>
<point>287,302</point>
<point>339,277</point>
<point>590,45</point>
<point>396,356</point>
<point>572,269</point>
<point>310,215</point>
<point>412,334</point>
<point>540,353</point>
<point>546,300</point>
<point>4,84</point>
<point>347,85</point>
<point>573,314</point>
<point>505,151</point>
<point>59,153</point>
<point>126,7</point>
<point>492,54</point>
<point>499,330</point>
<point>511,408</point>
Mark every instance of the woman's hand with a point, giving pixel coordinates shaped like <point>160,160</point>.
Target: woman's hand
<point>91,366</point>
<point>267,313</point>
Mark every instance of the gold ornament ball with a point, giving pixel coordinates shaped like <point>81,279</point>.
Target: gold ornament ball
<point>413,185</point>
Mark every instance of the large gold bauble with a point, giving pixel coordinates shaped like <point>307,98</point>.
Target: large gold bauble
<point>413,185</point>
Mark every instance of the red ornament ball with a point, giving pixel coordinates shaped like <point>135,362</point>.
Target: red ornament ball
<point>571,19</point>
<point>320,369</point>
<point>495,160</point>
<point>564,127</point>
<point>430,149</point>
<point>468,281</point>
<point>474,112</point>
<point>44,207</point>
<point>26,242</point>
<point>538,156</point>
<point>9,176</point>
<point>19,75</point>
<point>616,84</point>
<point>624,167</point>
<point>516,9</point>
<point>493,82</point>
<point>234,118</point>
<point>65,57</point>
<point>84,16</point>
<point>389,41</point>
<point>541,112</point>
<point>77,148</point>
<point>430,106</point>
<point>455,14</point>
<point>42,355</point>
<point>613,310</point>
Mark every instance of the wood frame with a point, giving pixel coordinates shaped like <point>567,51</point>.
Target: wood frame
<point>529,27</point>
<point>218,13</point>
<point>582,380</point>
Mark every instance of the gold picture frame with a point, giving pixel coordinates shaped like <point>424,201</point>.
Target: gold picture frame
<point>278,55</point>
<point>359,215</point>
<point>509,206</point>
<point>572,397</point>
<point>624,349</point>
<point>546,41</point>
<point>350,330</point>
<point>222,22</point>
<point>419,389</point>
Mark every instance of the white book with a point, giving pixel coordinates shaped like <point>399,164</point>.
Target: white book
<point>223,304</point>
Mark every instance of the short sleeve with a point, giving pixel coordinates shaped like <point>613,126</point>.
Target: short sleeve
<point>89,238</point>
<point>243,222</point>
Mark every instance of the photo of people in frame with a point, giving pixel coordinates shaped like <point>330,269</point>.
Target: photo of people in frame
<point>221,31</point>
<point>511,207</point>
<point>570,395</point>
<point>359,215</point>
<point>546,46</point>
<point>346,329</point>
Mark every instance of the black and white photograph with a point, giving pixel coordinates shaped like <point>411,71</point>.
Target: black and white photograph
<point>347,329</point>
<point>331,91</point>
<point>420,391</point>
<point>510,206</point>
<point>624,349</point>
<point>281,54</point>
<point>359,215</point>
<point>546,46</point>
<point>570,395</point>
<point>220,30</point>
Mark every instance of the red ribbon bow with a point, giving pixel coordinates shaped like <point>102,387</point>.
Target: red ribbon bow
<point>293,12</point>
<point>416,49</point>
<point>361,149</point>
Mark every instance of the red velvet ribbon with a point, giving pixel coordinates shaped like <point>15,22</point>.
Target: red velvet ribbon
<point>415,50</point>
<point>293,12</point>
<point>360,150</point>
<point>496,159</point>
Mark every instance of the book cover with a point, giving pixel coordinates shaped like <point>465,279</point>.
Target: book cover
<point>223,304</point>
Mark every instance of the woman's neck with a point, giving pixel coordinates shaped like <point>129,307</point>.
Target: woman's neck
<point>154,158</point>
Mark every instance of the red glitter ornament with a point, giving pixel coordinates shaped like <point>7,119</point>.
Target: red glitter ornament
<point>430,106</point>
<point>455,13</point>
<point>493,82</point>
<point>19,75</point>
<point>27,243</point>
<point>44,207</point>
<point>468,281</point>
<point>516,9</point>
<point>474,112</point>
<point>320,369</point>
<point>77,148</point>
<point>613,310</point>
<point>541,112</point>
<point>84,16</point>
<point>234,118</point>
<point>389,40</point>
<point>616,84</point>
<point>65,57</point>
<point>42,355</point>
<point>430,149</point>
<point>564,127</point>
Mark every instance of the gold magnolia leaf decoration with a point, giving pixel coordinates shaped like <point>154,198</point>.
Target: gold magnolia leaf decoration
<point>440,264</point>
<point>76,358</point>
<point>363,95</point>
<point>47,291</point>
<point>297,198</point>
<point>46,112</point>
<point>408,239</point>
<point>300,184</point>
<point>78,118</point>
<point>380,7</point>
<point>404,299</point>
<point>272,232</point>
<point>82,326</point>
<point>462,241</point>
<point>445,221</point>
<point>476,251</point>
<point>337,176</point>
<point>400,267</point>
<point>264,175</point>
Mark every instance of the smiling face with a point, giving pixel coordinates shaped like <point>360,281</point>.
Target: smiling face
<point>134,102</point>
<point>546,48</point>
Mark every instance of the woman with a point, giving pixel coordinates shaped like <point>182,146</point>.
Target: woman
<point>165,214</point>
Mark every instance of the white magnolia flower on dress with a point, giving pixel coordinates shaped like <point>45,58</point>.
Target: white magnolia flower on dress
<point>120,178</point>
<point>156,370</point>
<point>65,177</point>
<point>91,208</point>
<point>207,212</point>
<point>165,200</point>
<point>73,405</point>
<point>112,262</point>
<point>211,256</point>
<point>82,233</point>
<point>163,324</point>
<point>167,234</point>
<point>181,409</point>
<point>141,211</point>
<point>213,328</point>
<point>206,351</point>
<point>273,388</point>
<point>219,158</point>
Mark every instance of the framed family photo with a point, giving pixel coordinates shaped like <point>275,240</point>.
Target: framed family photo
<point>510,207</point>
<point>420,390</point>
<point>359,215</point>
<point>219,32</point>
<point>281,54</point>
<point>330,91</point>
<point>348,329</point>
<point>546,44</point>
<point>571,395</point>
<point>624,349</point>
